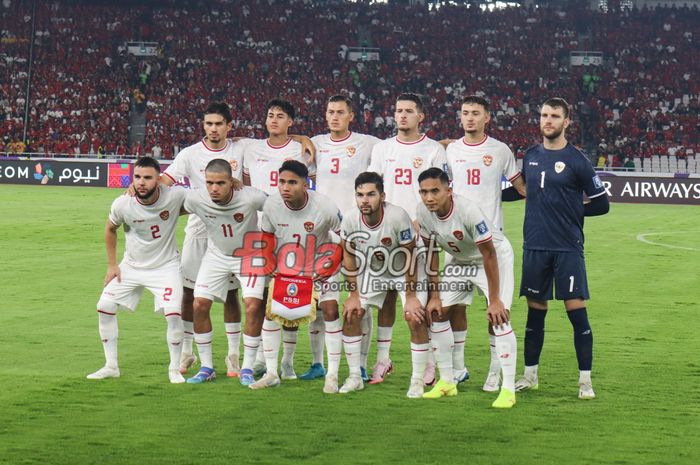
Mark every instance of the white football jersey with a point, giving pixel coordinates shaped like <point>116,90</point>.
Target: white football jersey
<point>338,162</point>
<point>191,162</point>
<point>227,224</point>
<point>296,229</point>
<point>400,164</point>
<point>149,229</point>
<point>477,170</point>
<point>460,231</point>
<point>262,161</point>
<point>395,229</point>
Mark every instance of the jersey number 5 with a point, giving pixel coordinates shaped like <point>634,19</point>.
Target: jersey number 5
<point>403,176</point>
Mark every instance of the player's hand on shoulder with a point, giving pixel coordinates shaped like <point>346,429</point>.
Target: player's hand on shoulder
<point>496,313</point>
<point>113,271</point>
<point>237,184</point>
<point>131,190</point>
<point>445,142</point>
<point>307,146</point>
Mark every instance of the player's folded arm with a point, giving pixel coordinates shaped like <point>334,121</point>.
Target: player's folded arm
<point>598,205</point>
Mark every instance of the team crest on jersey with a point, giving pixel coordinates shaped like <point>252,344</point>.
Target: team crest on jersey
<point>386,241</point>
<point>458,234</point>
<point>417,162</point>
<point>238,217</point>
<point>234,165</point>
<point>488,159</point>
<point>350,150</point>
<point>292,290</point>
<point>559,166</point>
<point>164,215</point>
<point>309,226</point>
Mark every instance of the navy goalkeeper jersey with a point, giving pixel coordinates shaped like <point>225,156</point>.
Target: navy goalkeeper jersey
<point>556,181</point>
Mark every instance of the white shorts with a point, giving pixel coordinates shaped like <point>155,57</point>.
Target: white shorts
<point>193,250</point>
<point>328,290</point>
<point>458,280</point>
<point>164,283</point>
<point>214,278</point>
<point>373,289</point>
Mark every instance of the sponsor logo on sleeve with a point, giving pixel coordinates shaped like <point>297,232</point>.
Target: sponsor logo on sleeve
<point>405,235</point>
<point>597,182</point>
<point>482,228</point>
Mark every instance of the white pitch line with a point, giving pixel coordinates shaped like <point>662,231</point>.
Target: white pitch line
<point>642,238</point>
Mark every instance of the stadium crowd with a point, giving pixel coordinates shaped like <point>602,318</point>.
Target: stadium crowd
<point>644,99</point>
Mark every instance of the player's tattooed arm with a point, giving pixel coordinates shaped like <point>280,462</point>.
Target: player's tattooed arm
<point>306,147</point>
<point>351,307</point>
<point>413,310</point>
<point>113,270</point>
<point>495,312</point>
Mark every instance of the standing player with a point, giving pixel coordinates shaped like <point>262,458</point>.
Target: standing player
<point>341,155</point>
<point>378,240</point>
<point>299,219</point>
<point>262,160</point>
<point>477,165</point>
<point>557,175</point>
<point>190,163</point>
<point>151,261</point>
<point>400,160</point>
<point>228,215</point>
<point>479,258</point>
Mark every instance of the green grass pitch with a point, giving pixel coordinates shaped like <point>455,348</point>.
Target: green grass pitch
<point>644,314</point>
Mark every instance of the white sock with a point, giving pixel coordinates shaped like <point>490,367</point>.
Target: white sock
<point>233,335</point>
<point>174,337</point>
<point>188,337</point>
<point>353,353</point>
<point>203,341</point>
<point>419,358</point>
<point>334,343</point>
<point>458,350</point>
<point>251,344</point>
<point>271,343</point>
<point>260,356</point>
<point>531,371</point>
<point>109,333</point>
<point>431,354</point>
<point>383,342</point>
<point>584,377</point>
<point>442,340</point>
<point>507,348</point>
<point>495,365</point>
<point>289,341</point>
<point>317,337</point>
<point>366,337</point>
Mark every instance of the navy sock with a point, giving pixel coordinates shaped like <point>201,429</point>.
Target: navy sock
<point>583,338</point>
<point>534,336</point>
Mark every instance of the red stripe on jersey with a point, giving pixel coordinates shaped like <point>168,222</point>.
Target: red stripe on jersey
<point>341,140</point>
<point>172,178</point>
<point>411,143</point>
<point>381,218</point>
<point>474,145</point>
<point>277,147</point>
<point>483,240</point>
<point>515,176</point>
<point>214,150</point>
<point>449,213</point>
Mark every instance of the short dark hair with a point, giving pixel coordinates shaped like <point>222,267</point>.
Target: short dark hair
<point>415,98</point>
<point>476,100</point>
<point>219,165</point>
<point>147,162</point>
<point>341,98</point>
<point>370,177</point>
<point>295,167</point>
<point>284,105</point>
<point>434,173</point>
<point>558,102</point>
<point>219,108</point>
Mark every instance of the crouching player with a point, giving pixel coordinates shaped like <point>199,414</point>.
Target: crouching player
<point>378,243</point>
<point>481,259</point>
<point>228,216</point>
<point>151,260</point>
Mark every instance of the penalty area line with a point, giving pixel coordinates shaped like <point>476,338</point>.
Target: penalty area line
<point>643,238</point>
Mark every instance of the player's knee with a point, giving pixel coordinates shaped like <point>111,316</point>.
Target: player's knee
<point>107,306</point>
<point>201,305</point>
<point>187,296</point>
